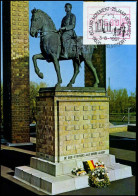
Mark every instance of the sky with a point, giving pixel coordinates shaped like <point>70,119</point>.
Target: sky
<point>120,60</point>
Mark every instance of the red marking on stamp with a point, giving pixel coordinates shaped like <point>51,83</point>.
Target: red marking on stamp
<point>112,23</point>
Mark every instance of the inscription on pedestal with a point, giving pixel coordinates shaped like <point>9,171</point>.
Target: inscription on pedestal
<point>84,155</point>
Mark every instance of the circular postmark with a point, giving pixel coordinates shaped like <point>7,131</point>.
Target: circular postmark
<point>110,26</point>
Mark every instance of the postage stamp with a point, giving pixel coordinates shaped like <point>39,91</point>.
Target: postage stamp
<point>107,23</point>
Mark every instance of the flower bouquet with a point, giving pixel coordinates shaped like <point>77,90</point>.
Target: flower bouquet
<point>78,171</point>
<point>98,176</point>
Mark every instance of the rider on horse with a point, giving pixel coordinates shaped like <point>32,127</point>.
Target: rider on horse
<point>51,44</point>
<point>67,29</point>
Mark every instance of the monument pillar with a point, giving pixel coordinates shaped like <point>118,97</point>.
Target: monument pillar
<point>99,62</point>
<point>72,128</point>
<point>16,71</point>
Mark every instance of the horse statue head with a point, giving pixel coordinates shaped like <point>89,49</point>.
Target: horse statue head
<point>40,21</point>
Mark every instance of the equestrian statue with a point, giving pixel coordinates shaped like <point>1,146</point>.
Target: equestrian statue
<point>62,44</point>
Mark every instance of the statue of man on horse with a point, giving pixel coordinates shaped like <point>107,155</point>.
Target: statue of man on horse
<point>63,44</point>
<point>67,29</point>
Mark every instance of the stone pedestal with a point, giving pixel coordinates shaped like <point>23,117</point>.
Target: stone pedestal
<point>71,123</point>
<point>72,127</point>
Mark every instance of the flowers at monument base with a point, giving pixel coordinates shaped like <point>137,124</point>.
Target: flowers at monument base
<point>99,164</point>
<point>97,173</point>
<point>78,171</point>
<point>98,177</point>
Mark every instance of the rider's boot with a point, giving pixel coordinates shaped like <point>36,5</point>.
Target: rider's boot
<point>64,53</point>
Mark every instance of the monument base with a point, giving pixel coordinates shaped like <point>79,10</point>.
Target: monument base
<point>55,178</point>
<point>72,127</point>
<point>71,122</point>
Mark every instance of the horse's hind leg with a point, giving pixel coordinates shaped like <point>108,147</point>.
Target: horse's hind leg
<point>34,58</point>
<point>76,71</point>
<point>91,67</point>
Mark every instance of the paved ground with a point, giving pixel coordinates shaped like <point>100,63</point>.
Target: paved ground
<point>11,186</point>
<point>123,146</point>
<point>120,187</point>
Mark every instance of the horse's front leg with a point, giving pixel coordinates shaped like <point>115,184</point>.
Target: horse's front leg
<point>34,58</point>
<point>76,71</point>
<point>57,68</point>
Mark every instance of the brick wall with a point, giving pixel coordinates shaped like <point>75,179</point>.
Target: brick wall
<point>45,137</point>
<point>83,127</point>
<point>71,123</point>
<point>16,70</point>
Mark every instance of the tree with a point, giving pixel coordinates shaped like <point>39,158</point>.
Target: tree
<point>120,101</point>
<point>132,101</point>
<point>124,100</point>
<point>34,92</point>
<point>111,94</point>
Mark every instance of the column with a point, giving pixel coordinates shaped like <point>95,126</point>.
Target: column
<point>16,71</point>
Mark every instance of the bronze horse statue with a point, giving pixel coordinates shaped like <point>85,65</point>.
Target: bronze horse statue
<point>50,45</point>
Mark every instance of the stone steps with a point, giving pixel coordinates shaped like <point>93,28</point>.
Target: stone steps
<point>48,183</point>
<point>65,167</point>
<point>52,185</point>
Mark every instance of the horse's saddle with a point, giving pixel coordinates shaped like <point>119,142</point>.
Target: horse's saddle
<point>74,45</point>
